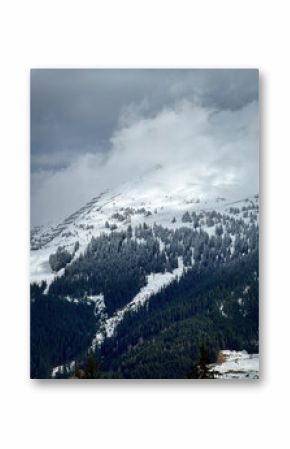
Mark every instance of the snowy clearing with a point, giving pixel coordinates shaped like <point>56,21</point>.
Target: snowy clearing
<point>236,365</point>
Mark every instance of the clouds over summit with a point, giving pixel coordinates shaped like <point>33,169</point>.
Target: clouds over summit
<point>95,129</point>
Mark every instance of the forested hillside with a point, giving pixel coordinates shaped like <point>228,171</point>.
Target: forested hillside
<point>213,301</point>
<point>59,331</point>
<point>162,340</point>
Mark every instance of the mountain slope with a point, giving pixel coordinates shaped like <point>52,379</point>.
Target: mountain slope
<point>159,196</point>
<point>134,245</point>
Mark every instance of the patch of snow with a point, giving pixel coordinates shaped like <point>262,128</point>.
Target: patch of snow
<point>237,365</point>
<point>100,307</point>
<point>221,308</point>
<point>63,369</point>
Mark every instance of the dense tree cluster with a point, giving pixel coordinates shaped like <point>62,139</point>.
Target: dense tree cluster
<point>60,331</point>
<point>115,265</point>
<point>59,259</point>
<point>163,340</point>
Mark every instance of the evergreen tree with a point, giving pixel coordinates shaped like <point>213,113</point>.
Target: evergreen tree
<point>201,369</point>
<point>186,218</point>
<point>90,370</point>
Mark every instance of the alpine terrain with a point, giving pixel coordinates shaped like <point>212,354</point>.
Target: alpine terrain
<point>152,279</point>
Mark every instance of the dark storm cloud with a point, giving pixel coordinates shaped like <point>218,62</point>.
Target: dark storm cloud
<point>77,111</point>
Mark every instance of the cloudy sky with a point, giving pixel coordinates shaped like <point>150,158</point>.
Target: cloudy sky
<point>92,129</point>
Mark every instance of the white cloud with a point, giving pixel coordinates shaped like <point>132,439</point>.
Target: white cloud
<point>215,147</point>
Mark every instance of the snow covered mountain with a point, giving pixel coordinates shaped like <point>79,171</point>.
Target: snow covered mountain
<point>160,196</point>
<point>129,244</point>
